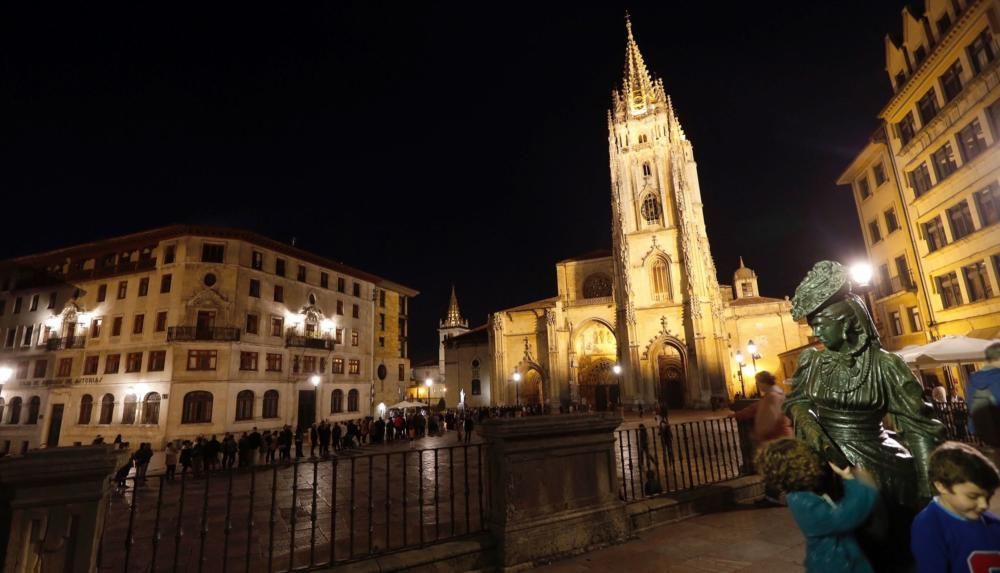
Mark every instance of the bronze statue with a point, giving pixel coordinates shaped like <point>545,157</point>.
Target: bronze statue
<point>840,396</point>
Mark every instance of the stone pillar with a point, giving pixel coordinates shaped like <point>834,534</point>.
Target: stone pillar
<point>52,505</point>
<point>554,489</point>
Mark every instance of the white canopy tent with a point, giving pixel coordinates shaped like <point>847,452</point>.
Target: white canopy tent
<point>407,404</point>
<point>949,349</point>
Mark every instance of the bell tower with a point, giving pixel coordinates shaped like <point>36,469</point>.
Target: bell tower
<point>452,325</point>
<point>664,272</point>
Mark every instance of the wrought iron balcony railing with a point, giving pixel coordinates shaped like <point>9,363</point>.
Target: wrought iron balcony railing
<point>65,342</point>
<point>192,333</point>
<point>309,342</point>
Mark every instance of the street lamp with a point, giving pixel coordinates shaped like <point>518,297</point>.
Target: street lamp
<point>517,378</point>
<point>314,379</point>
<point>740,364</point>
<point>429,383</point>
<point>861,273</point>
<point>617,369</point>
<point>754,355</point>
<point>5,374</point>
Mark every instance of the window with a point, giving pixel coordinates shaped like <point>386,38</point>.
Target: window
<point>951,294</point>
<point>296,364</point>
<point>354,338</point>
<point>903,270</point>
<point>143,286</point>
<point>993,114</point>
<point>34,405</point>
<point>914,314</point>
<point>111,363</point>
<point>646,170</point>
<point>40,367</point>
<point>302,273</point>
<point>661,280</point>
<point>356,311</point>
<point>279,267</point>
<point>107,409</point>
<point>15,411</point>
<point>244,405</point>
<point>52,300</point>
<point>90,365</point>
<point>309,364</point>
<point>279,293</point>
<point>102,295</point>
<point>9,342</point>
<point>920,54</point>
<point>273,362</point>
<point>920,180</point>
<point>977,282</point>
<point>651,210</point>
<point>169,253</point>
<point>338,366</point>
<point>65,367</point>
<point>270,404</point>
<point>354,366</point>
<point>28,331</point>
<point>116,326</point>
<point>971,141</point>
<point>900,81</point>
<point>341,284</point>
<point>340,307</point>
<point>122,289</point>
<point>951,81</point>
<point>927,107</point>
<point>128,409</point>
<point>34,303</point>
<point>255,288</point>
<point>906,129</point>
<point>402,372</point>
<point>165,284</point>
<point>381,321</point>
<point>891,223</point>
<point>988,204</point>
<point>352,401</point>
<point>981,51</point>
<point>895,323</point>
<point>151,409</point>
<point>157,360</point>
<point>277,325</point>
<point>202,359</point>
<point>252,323</point>
<point>257,260</point>
<point>873,231</point>
<point>161,321</point>
<point>197,408</point>
<point>934,234</point>
<point>357,289</point>
<point>863,189</point>
<point>944,162</point>
<point>22,369</point>
<point>213,253</point>
<point>324,280</point>
<point>381,298</point>
<point>339,335</point>
<point>86,409</point>
<point>337,402</point>
<point>138,323</point>
<point>943,24</point>
<point>133,362</point>
<point>477,387</point>
<point>960,220</point>
<point>880,176</point>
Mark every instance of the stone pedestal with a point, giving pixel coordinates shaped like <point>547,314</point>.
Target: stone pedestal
<point>52,505</point>
<point>553,486</point>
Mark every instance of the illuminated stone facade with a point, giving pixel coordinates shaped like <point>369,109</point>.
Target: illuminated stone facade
<point>182,331</point>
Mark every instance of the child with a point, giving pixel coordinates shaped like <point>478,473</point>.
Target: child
<point>955,532</point>
<point>792,467</point>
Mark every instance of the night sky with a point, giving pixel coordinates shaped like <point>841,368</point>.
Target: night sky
<point>461,143</point>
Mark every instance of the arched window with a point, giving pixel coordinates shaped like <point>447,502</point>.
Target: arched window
<point>86,409</point>
<point>352,401</point>
<point>128,411</point>
<point>646,169</point>
<point>660,276</point>
<point>244,405</point>
<point>34,405</point>
<point>15,411</point>
<point>643,138</point>
<point>337,402</point>
<point>597,285</point>
<point>651,209</point>
<point>197,408</point>
<point>151,408</point>
<point>107,409</point>
<point>271,404</point>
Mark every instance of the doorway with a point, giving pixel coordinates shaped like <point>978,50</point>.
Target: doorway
<point>55,426</point>
<point>206,320</point>
<point>307,408</point>
<point>671,381</point>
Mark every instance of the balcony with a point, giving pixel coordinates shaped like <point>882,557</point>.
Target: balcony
<point>293,340</point>
<point>65,343</point>
<point>895,285</point>
<point>209,333</point>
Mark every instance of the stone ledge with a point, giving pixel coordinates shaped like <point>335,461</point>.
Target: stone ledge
<point>469,554</point>
<point>659,510</point>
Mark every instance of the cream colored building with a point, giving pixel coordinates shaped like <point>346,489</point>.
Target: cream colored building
<point>652,305</point>
<point>944,126</point>
<point>186,331</point>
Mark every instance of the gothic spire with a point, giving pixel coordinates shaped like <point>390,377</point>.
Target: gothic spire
<point>454,317</point>
<point>639,90</point>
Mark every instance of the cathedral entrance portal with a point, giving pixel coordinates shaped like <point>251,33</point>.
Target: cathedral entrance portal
<point>596,349</point>
<point>531,388</point>
<point>672,379</point>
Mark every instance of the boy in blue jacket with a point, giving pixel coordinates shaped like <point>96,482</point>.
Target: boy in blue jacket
<point>955,532</point>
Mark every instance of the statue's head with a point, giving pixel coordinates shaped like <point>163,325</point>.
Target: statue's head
<point>838,317</point>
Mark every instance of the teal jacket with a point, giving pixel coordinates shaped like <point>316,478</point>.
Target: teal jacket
<point>829,528</point>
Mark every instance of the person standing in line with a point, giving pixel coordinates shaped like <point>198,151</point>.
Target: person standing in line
<point>170,460</point>
<point>469,425</point>
<point>256,442</point>
<point>185,457</point>
<point>313,440</point>
<point>298,442</point>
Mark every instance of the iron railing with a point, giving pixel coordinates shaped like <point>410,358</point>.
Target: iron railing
<point>689,455</point>
<point>895,284</point>
<point>309,342</point>
<point>302,515</point>
<point>955,418</point>
<point>191,333</point>
<point>65,342</point>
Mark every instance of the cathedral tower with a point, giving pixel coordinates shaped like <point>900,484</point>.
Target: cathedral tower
<point>669,325</point>
<point>452,325</point>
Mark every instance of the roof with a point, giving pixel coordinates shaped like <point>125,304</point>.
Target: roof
<point>144,238</point>
<point>477,334</point>
<point>747,301</point>
<point>424,363</point>
<point>597,254</point>
<point>544,303</point>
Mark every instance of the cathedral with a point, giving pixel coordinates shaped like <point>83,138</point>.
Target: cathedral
<point>646,322</point>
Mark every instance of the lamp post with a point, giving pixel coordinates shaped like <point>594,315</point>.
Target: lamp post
<point>429,384</point>
<point>754,355</point>
<point>861,275</point>
<point>739,369</point>
<point>517,379</point>
<point>617,369</point>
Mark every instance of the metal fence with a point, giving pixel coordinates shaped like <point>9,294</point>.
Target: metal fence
<point>301,515</point>
<point>955,417</point>
<point>688,455</point>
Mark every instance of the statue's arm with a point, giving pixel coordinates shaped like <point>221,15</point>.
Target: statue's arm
<point>799,405</point>
<point>918,429</point>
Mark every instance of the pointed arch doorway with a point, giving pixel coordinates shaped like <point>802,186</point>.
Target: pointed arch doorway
<point>671,376</point>
<point>596,348</point>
